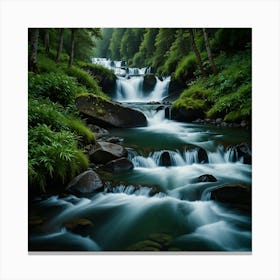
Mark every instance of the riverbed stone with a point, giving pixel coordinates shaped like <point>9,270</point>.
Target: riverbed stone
<point>165,159</point>
<point>85,183</point>
<point>238,195</point>
<point>244,151</point>
<point>103,152</point>
<point>118,165</point>
<point>107,113</point>
<point>206,178</point>
<point>202,156</point>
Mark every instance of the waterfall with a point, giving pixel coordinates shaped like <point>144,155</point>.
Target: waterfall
<point>131,89</point>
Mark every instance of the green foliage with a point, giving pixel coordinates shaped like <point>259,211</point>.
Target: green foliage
<point>102,45</point>
<point>193,98</point>
<point>180,47</point>
<point>115,43</point>
<point>231,39</point>
<point>234,106</point>
<point>57,87</point>
<point>186,68</point>
<point>144,56</point>
<point>163,42</point>
<point>84,79</point>
<point>43,111</point>
<point>52,157</point>
<point>130,43</point>
<point>47,65</point>
<point>105,77</point>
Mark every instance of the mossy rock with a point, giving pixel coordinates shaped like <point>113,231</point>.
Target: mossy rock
<point>107,113</point>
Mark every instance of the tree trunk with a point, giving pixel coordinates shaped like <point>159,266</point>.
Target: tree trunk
<point>209,53</point>
<point>47,40</point>
<point>72,46</point>
<point>197,54</point>
<point>60,45</point>
<point>33,50</point>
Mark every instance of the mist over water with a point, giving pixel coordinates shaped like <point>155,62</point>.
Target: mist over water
<point>181,208</point>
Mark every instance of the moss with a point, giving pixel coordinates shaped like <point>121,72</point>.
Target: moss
<point>186,68</point>
<point>193,98</point>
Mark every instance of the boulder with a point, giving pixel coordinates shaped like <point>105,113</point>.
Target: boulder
<point>115,139</point>
<point>103,152</point>
<point>182,114</point>
<point>244,151</point>
<point>236,194</point>
<point>149,82</point>
<point>98,130</point>
<point>85,183</point>
<point>202,156</point>
<point>165,159</point>
<point>118,166</point>
<point>206,178</point>
<point>107,113</point>
<point>167,112</point>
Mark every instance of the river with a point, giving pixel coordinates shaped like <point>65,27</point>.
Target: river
<point>179,215</point>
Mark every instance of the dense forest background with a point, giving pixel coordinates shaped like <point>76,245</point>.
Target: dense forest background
<point>210,73</point>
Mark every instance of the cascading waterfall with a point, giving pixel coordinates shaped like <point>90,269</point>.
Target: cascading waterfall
<point>131,90</point>
<point>161,196</point>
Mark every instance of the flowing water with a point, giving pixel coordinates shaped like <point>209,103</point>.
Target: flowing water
<point>179,215</point>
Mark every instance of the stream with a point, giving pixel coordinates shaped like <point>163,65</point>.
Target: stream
<point>179,215</point>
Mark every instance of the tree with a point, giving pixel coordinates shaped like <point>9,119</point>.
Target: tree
<point>33,50</point>
<point>163,42</point>
<point>47,40</point>
<point>102,46</point>
<point>147,48</point>
<point>178,50</point>
<point>60,45</point>
<point>115,43</point>
<point>72,46</point>
<point>209,53</point>
<point>197,54</point>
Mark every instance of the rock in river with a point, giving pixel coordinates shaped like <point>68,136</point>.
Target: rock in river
<point>103,152</point>
<point>235,194</point>
<point>85,183</point>
<point>108,113</point>
<point>118,166</point>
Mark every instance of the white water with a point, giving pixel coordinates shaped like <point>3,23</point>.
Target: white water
<point>131,90</point>
<point>128,213</point>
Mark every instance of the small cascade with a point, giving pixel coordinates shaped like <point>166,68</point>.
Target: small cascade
<point>188,157</point>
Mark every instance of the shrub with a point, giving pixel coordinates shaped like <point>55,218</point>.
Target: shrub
<point>52,157</point>
<point>193,98</point>
<point>84,79</point>
<point>43,111</point>
<point>47,65</point>
<point>57,87</point>
<point>234,106</point>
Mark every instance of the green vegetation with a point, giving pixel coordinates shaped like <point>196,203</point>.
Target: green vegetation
<point>195,98</point>
<point>57,87</point>
<point>53,157</point>
<point>56,133</point>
